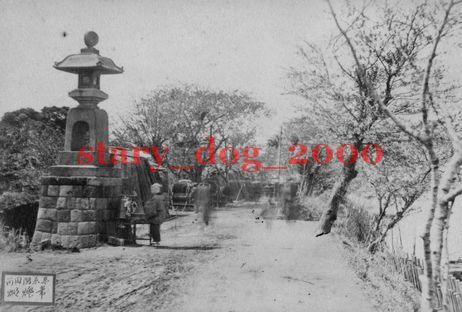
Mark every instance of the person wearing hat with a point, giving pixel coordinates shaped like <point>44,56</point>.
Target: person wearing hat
<point>154,210</point>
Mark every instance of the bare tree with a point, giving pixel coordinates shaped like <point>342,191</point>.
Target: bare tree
<point>443,188</point>
<point>339,92</point>
<point>398,182</point>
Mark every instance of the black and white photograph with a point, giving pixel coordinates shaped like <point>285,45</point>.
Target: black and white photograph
<point>231,155</point>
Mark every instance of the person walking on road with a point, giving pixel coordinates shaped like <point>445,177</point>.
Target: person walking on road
<point>204,201</point>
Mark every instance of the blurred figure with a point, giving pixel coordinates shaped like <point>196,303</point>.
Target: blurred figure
<point>269,213</point>
<point>204,201</point>
<point>289,199</point>
<point>154,210</point>
<point>193,197</point>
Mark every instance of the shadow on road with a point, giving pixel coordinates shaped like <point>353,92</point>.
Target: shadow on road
<point>188,247</point>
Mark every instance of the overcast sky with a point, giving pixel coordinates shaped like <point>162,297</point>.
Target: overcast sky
<point>245,45</point>
<point>219,44</point>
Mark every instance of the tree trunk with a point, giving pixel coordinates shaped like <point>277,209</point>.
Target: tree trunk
<point>445,262</point>
<point>372,248</point>
<point>441,219</point>
<point>329,214</point>
<point>428,286</point>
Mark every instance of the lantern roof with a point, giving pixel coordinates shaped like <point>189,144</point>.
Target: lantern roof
<point>88,59</point>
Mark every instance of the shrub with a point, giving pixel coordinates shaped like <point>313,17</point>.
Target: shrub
<point>383,282</point>
<point>310,207</point>
<point>18,214</point>
<point>13,240</point>
<point>356,223</point>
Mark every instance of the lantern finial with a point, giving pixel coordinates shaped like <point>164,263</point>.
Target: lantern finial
<point>90,39</point>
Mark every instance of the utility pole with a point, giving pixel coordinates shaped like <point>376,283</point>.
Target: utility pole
<point>279,155</point>
<point>279,162</point>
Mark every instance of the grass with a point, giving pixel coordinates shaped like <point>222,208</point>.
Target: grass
<point>382,282</point>
<point>356,224</point>
<point>13,240</point>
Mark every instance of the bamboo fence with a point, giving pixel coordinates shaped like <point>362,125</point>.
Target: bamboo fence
<point>412,267</point>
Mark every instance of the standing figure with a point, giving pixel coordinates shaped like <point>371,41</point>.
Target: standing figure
<point>204,201</point>
<point>193,197</point>
<point>154,210</point>
<point>289,199</point>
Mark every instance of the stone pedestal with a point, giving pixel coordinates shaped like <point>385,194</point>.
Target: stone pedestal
<point>77,211</point>
<point>80,202</point>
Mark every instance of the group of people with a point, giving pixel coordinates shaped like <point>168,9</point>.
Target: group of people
<point>156,207</point>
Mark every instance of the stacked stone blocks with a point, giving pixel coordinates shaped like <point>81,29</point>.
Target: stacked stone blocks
<point>77,211</point>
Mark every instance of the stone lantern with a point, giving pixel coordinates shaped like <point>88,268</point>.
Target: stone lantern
<point>86,124</point>
<point>79,202</point>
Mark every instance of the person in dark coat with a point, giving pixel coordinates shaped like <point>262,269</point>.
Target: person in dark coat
<point>154,210</point>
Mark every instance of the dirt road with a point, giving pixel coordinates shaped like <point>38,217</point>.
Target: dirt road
<point>239,263</point>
